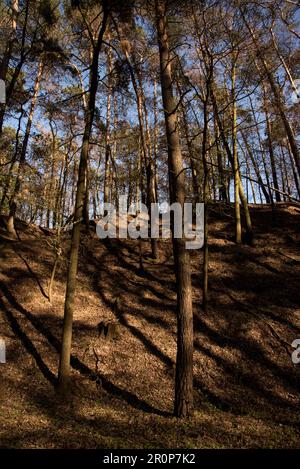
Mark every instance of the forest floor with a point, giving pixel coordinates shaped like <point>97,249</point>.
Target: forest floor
<point>246,386</point>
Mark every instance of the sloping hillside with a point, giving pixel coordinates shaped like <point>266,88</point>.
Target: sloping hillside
<point>246,386</point>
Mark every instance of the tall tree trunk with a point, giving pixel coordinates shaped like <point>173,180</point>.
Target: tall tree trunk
<point>221,181</point>
<point>262,153</point>
<point>184,363</point>
<point>205,144</point>
<point>64,189</point>
<point>270,146</point>
<point>296,179</point>
<point>155,136</point>
<point>255,167</point>
<point>12,164</point>
<point>114,191</point>
<point>58,196</point>
<point>193,159</point>
<point>138,177</point>
<point>53,181</point>
<point>251,182</point>
<point>107,131</point>
<point>250,237</point>
<point>236,170</point>
<point>285,172</point>
<point>22,161</point>
<point>64,364</point>
<point>147,158</point>
<point>150,169</point>
<point>282,178</point>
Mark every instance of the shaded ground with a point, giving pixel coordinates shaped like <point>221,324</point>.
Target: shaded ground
<point>246,386</point>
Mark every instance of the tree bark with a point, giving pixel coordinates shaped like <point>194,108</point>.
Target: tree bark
<point>183,406</point>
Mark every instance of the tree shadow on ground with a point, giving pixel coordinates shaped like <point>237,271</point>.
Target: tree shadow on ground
<point>116,281</point>
<point>107,385</point>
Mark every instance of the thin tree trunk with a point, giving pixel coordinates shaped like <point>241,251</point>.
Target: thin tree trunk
<point>251,182</point>
<point>221,181</point>
<point>255,167</point>
<point>270,146</point>
<point>285,172</point>
<point>205,143</point>
<point>250,237</point>
<point>107,132</point>
<point>150,170</point>
<point>148,162</point>
<point>155,136</point>
<point>193,160</point>
<point>238,225</point>
<point>294,171</point>
<point>114,192</point>
<point>64,364</point>
<point>12,164</point>
<point>262,154</point>
<point>22,161</point>
<point>58,252</point>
